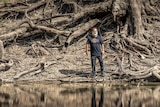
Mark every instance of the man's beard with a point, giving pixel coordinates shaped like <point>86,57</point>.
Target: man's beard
<point>95,34</point>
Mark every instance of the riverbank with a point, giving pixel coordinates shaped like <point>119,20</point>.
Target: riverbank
<point>62,65</point>
<point>66,65</point>
<point>39,44</point>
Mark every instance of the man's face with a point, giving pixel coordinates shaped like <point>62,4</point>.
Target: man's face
<point>95,32</point>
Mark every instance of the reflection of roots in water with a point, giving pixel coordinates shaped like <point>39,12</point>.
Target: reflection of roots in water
<point>78,95</point>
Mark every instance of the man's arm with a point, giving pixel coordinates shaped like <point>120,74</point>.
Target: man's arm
<point>87,49</point>
<point>102,49</point>
<point>102,45</point>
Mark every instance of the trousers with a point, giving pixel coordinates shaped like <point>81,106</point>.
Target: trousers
<point>93,61</point>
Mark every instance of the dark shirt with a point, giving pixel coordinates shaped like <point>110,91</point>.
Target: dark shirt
<point>95,45</point>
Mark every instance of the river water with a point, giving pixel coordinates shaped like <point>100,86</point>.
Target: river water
<point>80,95</point>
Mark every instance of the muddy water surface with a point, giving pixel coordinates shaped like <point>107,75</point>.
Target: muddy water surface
<point>79,95</point>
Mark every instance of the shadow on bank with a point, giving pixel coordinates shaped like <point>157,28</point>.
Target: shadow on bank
<point>74,73</point>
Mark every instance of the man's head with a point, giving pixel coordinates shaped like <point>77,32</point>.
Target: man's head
<point>94,32</point>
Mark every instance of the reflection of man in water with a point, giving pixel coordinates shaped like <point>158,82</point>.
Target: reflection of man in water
<point>94,98</point>
<point>97,50</point>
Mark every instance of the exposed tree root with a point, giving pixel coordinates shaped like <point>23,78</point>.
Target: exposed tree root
<point>37,69</point>
<point>5,65</point>
<point>130,29</point>
<point>86,27</point>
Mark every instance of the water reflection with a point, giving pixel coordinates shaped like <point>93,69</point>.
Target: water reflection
<point>78,95</point>
<point>93,104</point>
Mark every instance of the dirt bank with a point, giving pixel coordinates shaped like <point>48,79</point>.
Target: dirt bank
<point>45,40</point>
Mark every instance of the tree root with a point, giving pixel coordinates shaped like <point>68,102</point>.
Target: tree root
<point>58,27</point>
<point>82,30</point>
<point>37,50</point>
<point>156,71</point>
<point>1,50</point>
<point>12,35</point>
<point>36,70</point>
<point>153,71</point>
<point>137,46</point>
<point>5,65</point>
<point>47,29</point>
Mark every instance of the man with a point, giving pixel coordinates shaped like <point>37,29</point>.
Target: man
<point>97,50</point>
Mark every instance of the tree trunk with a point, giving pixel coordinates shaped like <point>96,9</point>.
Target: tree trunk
<point>136,17</point>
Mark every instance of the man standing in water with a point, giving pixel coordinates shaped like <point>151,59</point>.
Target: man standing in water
<point>97,50</point>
